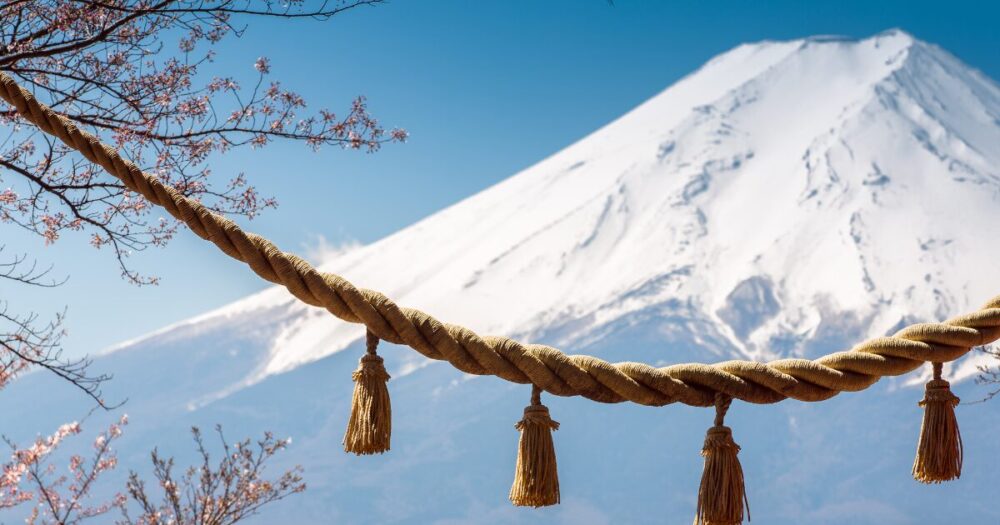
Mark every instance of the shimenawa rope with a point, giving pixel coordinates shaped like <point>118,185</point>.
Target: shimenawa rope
<point>544,367</point>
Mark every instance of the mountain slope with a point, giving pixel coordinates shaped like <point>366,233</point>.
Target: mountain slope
<point>792,167</point>
<point>786,199</point>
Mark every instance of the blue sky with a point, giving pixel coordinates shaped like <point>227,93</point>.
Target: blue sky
<point>485,87</point>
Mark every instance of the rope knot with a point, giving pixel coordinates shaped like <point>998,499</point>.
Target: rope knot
<point>372,366</point>
<point>722,404</point>
<point>939,391</point>
<point>719,437</point>
<point>537,415</point>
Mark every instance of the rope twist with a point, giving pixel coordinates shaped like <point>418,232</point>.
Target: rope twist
<point>544,366</point>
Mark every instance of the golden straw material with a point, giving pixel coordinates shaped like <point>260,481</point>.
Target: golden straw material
<point>550,369</point>
<point>370,428</point>
<point>536,476</point>
<point>722,495</point>
<point>939,451</point>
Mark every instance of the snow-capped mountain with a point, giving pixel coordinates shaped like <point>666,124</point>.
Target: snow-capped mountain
<point>786,199</point>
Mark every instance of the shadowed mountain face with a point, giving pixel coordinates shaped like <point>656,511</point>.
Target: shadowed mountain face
<point>787,199</point>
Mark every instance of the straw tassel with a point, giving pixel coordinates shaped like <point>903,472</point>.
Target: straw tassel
<point>722,495</point>
<point>536,478</point>
<point>370,426</point>
<point>939,451</point>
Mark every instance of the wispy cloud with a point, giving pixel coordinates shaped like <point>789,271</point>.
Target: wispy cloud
<point>321,250</point>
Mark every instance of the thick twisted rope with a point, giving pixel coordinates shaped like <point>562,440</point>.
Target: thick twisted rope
<point>543,366</point>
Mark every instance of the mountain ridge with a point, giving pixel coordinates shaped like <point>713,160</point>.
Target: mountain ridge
<point>607,196</point>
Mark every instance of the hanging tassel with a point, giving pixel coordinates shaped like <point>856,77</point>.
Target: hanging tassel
<point>536,478</point>
<point>370,426</point>
<point>939,451</point>
<point>722,495</point>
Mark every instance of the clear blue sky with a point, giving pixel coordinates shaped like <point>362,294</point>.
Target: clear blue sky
<point>485,87</point>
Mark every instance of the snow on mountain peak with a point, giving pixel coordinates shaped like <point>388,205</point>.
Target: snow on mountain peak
<point>804,172</point>
<point>782,190</point>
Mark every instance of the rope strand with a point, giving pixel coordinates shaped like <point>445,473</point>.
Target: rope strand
<point>371,343</point>
<point>722,403</point>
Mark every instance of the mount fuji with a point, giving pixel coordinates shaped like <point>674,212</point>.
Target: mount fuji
<point>787,199</point>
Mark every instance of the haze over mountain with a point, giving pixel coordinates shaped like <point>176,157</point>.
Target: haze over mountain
<point>786,199</point>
